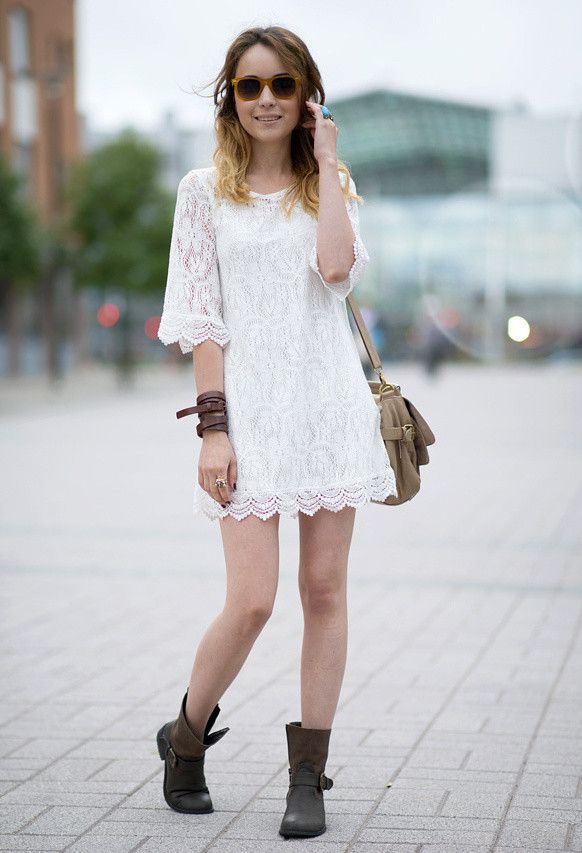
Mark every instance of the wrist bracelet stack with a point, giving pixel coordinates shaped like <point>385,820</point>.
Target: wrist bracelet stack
<point>211,409</point>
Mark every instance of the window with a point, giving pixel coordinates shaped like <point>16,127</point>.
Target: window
<point>19,42</point>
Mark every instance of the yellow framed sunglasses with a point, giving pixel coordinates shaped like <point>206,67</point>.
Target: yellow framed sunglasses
<point>281,85</point>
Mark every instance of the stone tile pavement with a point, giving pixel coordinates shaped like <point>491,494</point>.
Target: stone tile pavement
<point>459,725</point>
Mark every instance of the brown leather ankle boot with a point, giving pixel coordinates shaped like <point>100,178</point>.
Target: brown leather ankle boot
<point>185,787</point>
<point>305,813</point>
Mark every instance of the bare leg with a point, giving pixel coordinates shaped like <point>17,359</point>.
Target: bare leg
<point>251,551</point>
<point>325,540</point>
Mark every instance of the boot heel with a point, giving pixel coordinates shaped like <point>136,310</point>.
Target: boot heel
<point>163,744</point>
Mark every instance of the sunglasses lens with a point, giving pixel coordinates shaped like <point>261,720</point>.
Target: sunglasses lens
<point>283,87</point>
<point>248,88</point>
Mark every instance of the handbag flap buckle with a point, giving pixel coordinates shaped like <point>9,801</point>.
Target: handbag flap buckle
<point>409,432</point>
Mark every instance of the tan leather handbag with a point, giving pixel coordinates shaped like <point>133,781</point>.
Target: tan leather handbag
<point>405,432</point>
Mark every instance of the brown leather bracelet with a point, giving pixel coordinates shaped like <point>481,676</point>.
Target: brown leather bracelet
<point>216,421</point>
<point>208,401</point>
<point>212,412</point>
<point>220,427</point>
<point>204,408</point>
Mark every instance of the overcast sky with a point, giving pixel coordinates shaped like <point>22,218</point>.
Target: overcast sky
<point>138,58</point>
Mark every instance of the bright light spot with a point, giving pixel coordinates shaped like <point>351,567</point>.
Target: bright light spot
<point>151,326</point>
<point>518,329</point>
<point>108,314</point>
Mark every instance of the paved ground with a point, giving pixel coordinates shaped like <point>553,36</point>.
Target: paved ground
<point>464,679</point>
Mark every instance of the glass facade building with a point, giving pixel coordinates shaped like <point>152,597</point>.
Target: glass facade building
<point>459,237</point>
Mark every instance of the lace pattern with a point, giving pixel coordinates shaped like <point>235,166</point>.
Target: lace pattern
<point>189,330</point>
<point>308,501</point>
<point>192,309</point>
<point>303,424</point>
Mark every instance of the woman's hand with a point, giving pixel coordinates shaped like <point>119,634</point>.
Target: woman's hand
<point>217,459</point>
<point>324,133</point>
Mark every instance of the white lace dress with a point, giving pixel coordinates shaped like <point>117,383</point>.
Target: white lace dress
<point>302,421</point>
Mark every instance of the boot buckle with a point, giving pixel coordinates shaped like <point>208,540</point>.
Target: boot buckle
<point>304,776</point>
<point>172,756</point>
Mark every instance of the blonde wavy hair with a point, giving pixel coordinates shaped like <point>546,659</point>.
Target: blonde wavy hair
<point>233,146</point>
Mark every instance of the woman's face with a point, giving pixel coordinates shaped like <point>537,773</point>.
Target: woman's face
<point>261,61</point>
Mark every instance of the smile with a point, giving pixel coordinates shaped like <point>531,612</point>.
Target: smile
<point>269,120</point>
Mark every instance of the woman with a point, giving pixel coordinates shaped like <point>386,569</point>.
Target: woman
<point>265,248</point>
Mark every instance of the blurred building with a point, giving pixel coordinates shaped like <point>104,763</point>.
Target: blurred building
<point>39,132</point>
<point>406,145</point>
<point>529,149</point>
<point>471,214</point>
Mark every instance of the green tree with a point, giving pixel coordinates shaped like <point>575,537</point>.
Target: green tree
<point>21,243</point>
<point>120,226</point>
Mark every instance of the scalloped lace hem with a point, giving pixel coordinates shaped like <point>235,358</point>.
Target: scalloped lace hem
<point>308,501</point>
<point>188,330</point>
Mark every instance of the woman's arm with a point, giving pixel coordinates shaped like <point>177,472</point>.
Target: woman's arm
<point>208,358</point>
<point>217,457</point>
<point>335,235</point>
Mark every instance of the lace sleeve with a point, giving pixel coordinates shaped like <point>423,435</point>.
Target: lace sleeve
<point>192,310</point>
<point>361,256</point>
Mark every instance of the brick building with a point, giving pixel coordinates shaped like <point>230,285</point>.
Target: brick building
<point>39,125</point>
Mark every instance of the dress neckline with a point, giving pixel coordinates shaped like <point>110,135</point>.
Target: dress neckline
<point>268,195</point>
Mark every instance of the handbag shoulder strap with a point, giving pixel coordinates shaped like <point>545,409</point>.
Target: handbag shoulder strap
<point>362,328</point>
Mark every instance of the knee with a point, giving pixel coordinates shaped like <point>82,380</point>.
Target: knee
<point>253,615</point>
<point>322,597</point>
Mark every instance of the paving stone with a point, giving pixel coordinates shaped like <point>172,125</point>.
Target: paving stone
<point>101,748</point>
<point>553,770</point>
<point>548,784</point>
<point>174,845</point>
<point>494,760</point>
<point>123,769</point>
<point>365,777</point>
<point>447,759</point>
<point>528,801</point>
<point>463,839</point>
<point>95,843</point>
<point>22,841</point>
<point>45,748</point>
<point>67,820</point>
<point>31,794</point>
<point>412,801</point>
<point>519,813</point>
<point>197,826</point>
<point>452,848</point>
<point>441,775</point>
<point>529,849</point>
<point>532,833</point>
<point>369,847</point>
<point>9,745</point>
<point>78,770</point>
<point>14,817</point>
<point>18,769</point>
